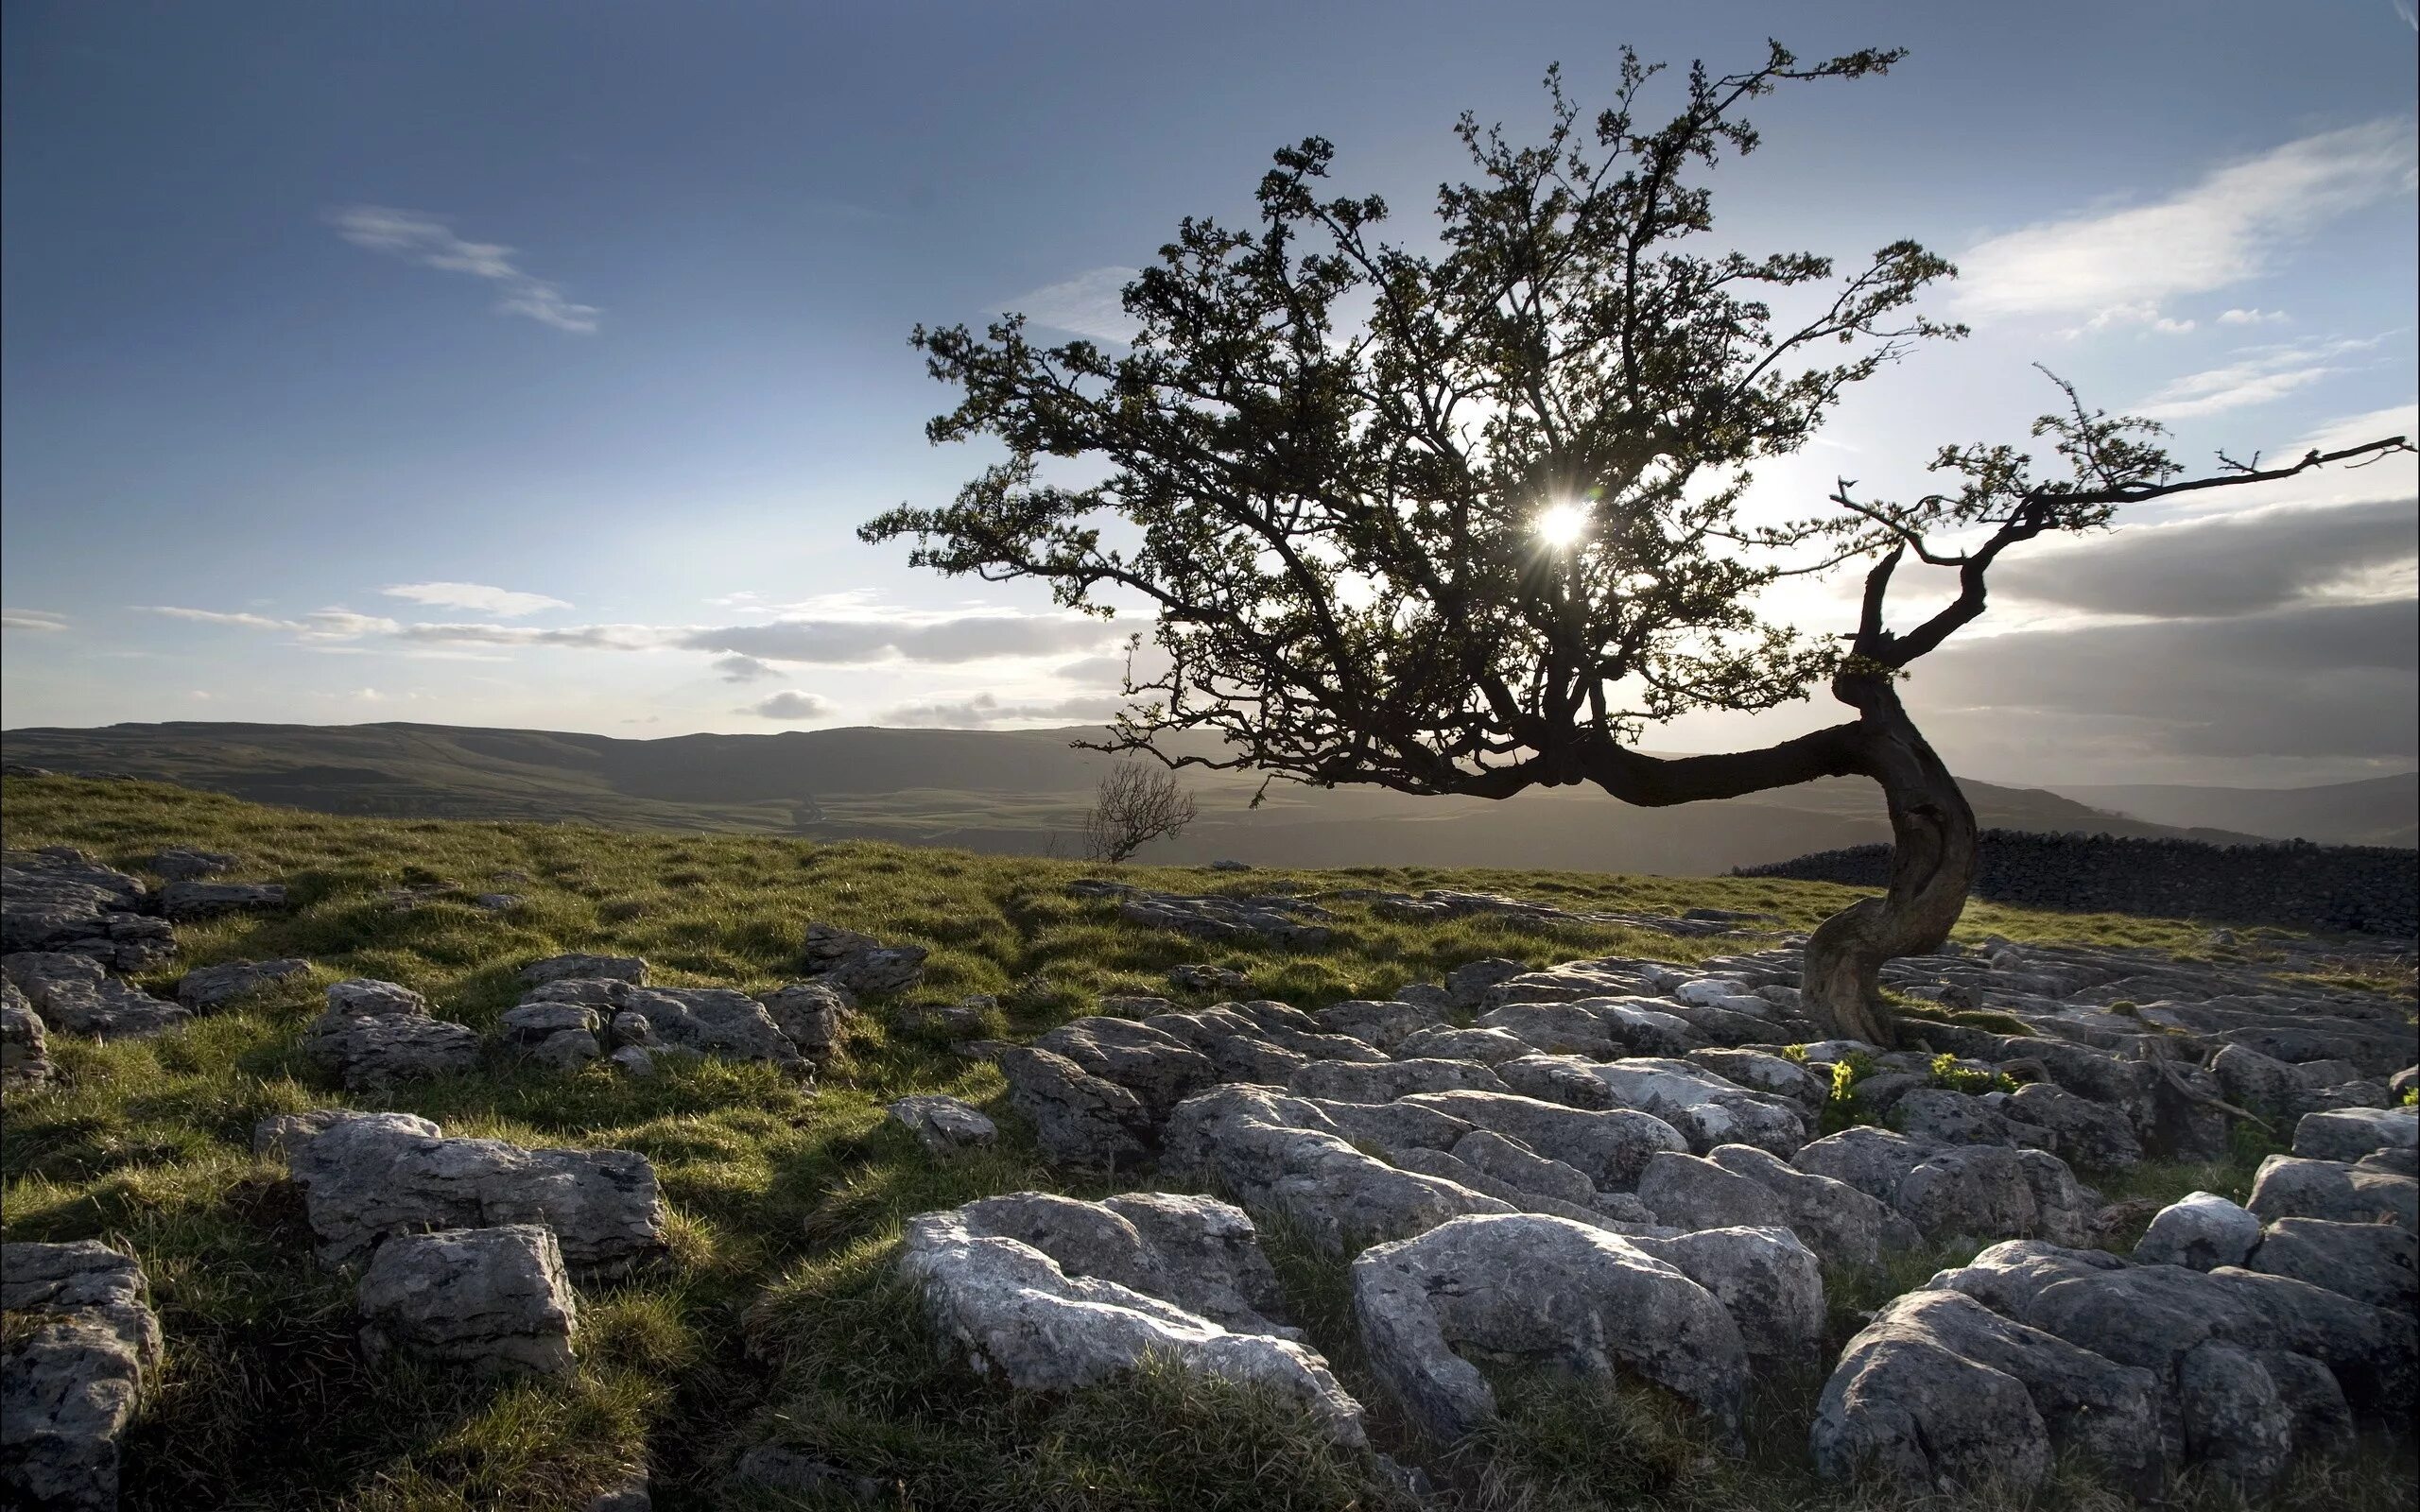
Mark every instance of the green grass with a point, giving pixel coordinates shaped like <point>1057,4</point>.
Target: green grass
<point>776,1319</point>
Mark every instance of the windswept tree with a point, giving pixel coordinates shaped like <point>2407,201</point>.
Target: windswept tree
<point>1466,518</point>
<point>1136,804</point>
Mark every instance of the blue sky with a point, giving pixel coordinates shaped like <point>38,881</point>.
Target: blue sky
<point>531,363</point>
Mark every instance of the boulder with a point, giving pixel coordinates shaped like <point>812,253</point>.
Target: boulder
<point>714,1020</point>
<point>1466,986</point>
<point>1565,1079</point>
<point>368,1176</point>
<point>49,902</point>
<point>1611,1148</point>
<point>1522,1169</point>
<point>2289,1186</point>
<point>2199,1231</point>
<point>1940,1390</point>
<point>1079,1119</point>
<point>582,967</point>
<point>79,1355</point>
<point>2373,1262</point>
<point>861,963</point>
<point>73,994</point>
<point>1383,1025</point>
<point>1770,1284</point>
<point>493,1299</point>
<point>1842,1224</point>
<point>813,1016</point>
<point>1286,1158</point>
<point>1201,977</point>
<point>1959,1190</point>
<point>1544,1290</point>
<point>183,902</point>
<point>1707,1110</point>
<point>213,987</point>
<point>24,1050</point>
<point>1012,1307</point>
<point>377,1035</point>
<point>1489,1047</point>
<point>2082,1132</point>
<point>2349,1133</point>
<point>1949,1117</point>
<point>362,997</point>
<point>2236,1421</point>
<point>181,864</point>
<point>1159,1069</point>
<point>1762,1073</point>
<point>1689,1192</point>
<point>945,1124</point>
<point>1348,1081</point>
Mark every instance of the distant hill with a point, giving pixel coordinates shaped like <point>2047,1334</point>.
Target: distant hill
<point>2376,811</point>
<point>1002,791</point>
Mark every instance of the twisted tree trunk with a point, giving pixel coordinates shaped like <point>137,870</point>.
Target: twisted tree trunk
<point>1932,863</point>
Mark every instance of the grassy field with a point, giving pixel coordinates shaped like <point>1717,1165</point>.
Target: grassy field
<point>776,1319</point>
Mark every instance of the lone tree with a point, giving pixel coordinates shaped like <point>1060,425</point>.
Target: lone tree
<point>1136,805</point>
<point>1467,520</point>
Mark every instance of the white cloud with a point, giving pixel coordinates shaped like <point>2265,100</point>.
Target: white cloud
<point>983,710</point>
<point>33,619</point>
<point>2222,230</point>
<point>944,639</point>
<point>583,637</point>
<point>745,669</point>
<point>2251,317</point>
<point>1089,304</point>
<point>792,705</point>
<point>2258,375</point>
<point>210,616</point>
<point>502,601</point>
<point>430,242</point>
<point>319,625</point>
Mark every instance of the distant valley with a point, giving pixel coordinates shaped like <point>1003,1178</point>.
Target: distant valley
<point>1026,792</point>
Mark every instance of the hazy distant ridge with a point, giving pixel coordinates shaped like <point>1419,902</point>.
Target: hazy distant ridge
<point>1009,791</point>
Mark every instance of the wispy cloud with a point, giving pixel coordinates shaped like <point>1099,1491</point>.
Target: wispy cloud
<point>503,601</point>
<point>745,669</point>
<point>429,241</point>
<point>2258,375</point>
<point>1089,304</point>
<point>985,708</point>
<point>2220,232</point>
<point>2251,317</point>
<point>33,619</point>
<point>792,705</point>
<point>327,623</point>
<point>945,638</point>
<point>582,637</point>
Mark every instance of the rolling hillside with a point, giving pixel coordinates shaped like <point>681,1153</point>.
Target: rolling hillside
<point>1006,792</point>
<point>2378,811</point>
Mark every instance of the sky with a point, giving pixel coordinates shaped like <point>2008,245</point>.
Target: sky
<point>531,365</point>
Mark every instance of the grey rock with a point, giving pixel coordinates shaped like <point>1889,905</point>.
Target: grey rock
<point>2347,1134</point>
<point>362,997</point>
<point>374,1050</point>
<point>1565,1079</point>
<point>2199,1231</point>
<point>1770,1284</point>
<point>183,902</point>
<point>2289,1186</point>
<point>1707,1110</point>
<point>1759,1072</point>
<point>635,1061</point>
<point>368,1177</point>
<point>2235,1423</point>
<point>966,1019</point>
<point>1385,1081</point>
<point>1466,986</point>
<point>1197,1252</point>
<point>813,1016</point>
<point>1159,1069</point>
<point>2255,1081</point>
<point>1200,977</point>
<point>1842,1224</point>
<point>1544,1289</point>
<point>280,1135</point>
<point>1080,1120</point>
<point>213,987</point>
<point>494,1299</point>
<point>861,963</point>
<point>1489,1047</point>
<point>73,995</point>
<point>944,1125</point>
<point>568,1051</point>
<point>1289,921</point>
<point>2373,1262</point>
<point>1517,1167</point>
<point>1285,1157</point>
<point>25,1049</point>
<point>72,1379</point>
<point>1609,1147</point>
<point>2082,1133</point>
<point>48,902</point>
<point>1383,1025</point>
<point>533,1023</point>
<point>1959,1190</point>
<point>717,1021</point>
<point>1954,1118</point>
<point>1923,1395</point>
<point>1688,1192</point>
<point>585,967</point>
<point>178,864</point>
<point>1011,1308</point>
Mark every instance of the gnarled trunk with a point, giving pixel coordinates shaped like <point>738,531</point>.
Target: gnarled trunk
<point>1932,863</point>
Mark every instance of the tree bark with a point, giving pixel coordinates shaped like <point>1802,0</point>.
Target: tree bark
<point>1932,864</point>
